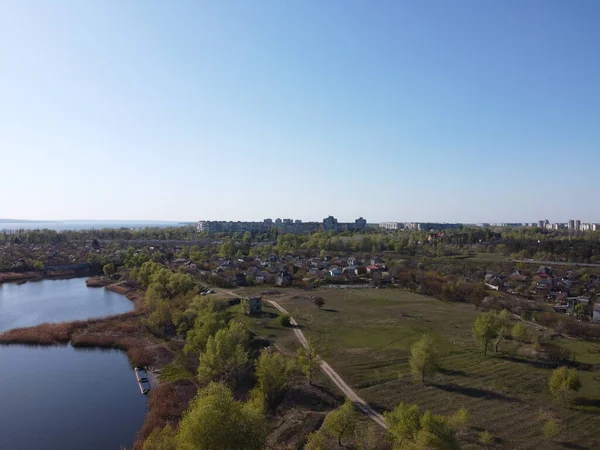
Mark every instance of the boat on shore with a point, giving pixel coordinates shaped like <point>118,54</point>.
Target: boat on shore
<point>142,379</point>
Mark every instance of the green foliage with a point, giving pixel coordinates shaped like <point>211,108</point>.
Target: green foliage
<point>316,441</point>
<point>108,269</point>
<point>423,360</point>
<point>580,310</point>
<point>563,383</point>
<point>409,428</point>
<point>284,320</point>
<point>308,359</point>
<point>520,332</point>
<point>207,323</point>
<point>486,438</point>
<point>38,265</point>
<point>551,429</point>
<point>341,421</point>
<point>224,356</point>
<point>216,421</point>
<point>160,320</point>
<point>503,327</point>
<point>161,439</point>
<point>272,370</point>
<point>460,418</point>
<point>485,329</point>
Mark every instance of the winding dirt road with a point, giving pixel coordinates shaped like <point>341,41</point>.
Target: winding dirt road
<point>332,374</point>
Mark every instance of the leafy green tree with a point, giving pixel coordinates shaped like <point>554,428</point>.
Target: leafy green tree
<point>38,265</point>
<point>563,383</point>
<point>160,320</point>
<point>207,323</point>
<point>161,439</point>
<point>423,360</point>
<point>108,269</point>
<point>485,329</point>
<point>502,326</point>
<point>317,441</point>
<point>460,418</point>
<point>272,372</point>
<point>216,421</point>
<point>341,421</point>
<point>520,332</point>
<point>409,428</point>
<point>308,359</point>
<point>224,356</point>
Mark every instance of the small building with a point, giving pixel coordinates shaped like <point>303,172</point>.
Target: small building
<point>253,305</point>
<point>284,279</point>
<point>596,316</point>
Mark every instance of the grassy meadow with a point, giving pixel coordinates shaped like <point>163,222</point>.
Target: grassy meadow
<point>366,335</point>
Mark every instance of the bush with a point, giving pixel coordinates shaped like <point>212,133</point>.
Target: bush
<point>551,429</point>
<point>284,320</point>
<point>486,438</point>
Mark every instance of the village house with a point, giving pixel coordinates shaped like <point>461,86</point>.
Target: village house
<point>596,313</point>
<point>284,279</point>
<point>253,305</point>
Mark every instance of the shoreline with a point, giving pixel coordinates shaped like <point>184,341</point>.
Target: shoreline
<point>124,332</point>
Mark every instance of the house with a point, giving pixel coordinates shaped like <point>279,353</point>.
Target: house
<point>517,275</point>
<point>240,279</point>
<point>376,260</point>
<point>495,279</point>
<point>596,316</point>
<point>253,305</point>
<point>544,271</point>
<point>284,279</point>
<point>373,268</point>
<point>352,261</point>
<point>335,271</point>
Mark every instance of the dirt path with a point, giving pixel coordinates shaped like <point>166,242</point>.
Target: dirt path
<point>332,374</point>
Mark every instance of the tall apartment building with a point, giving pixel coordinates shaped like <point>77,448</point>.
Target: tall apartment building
<point>571,225</point>
<point>578,225</point>
<point>390,225</point>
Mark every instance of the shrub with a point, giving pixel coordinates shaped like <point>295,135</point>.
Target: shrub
<point>284,320</point>
<point>486,438</point>
<point>551,429</point>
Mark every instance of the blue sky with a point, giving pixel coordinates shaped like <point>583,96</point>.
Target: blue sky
<point>462,111</point>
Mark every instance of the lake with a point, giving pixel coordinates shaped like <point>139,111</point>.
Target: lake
<point>57,398</point>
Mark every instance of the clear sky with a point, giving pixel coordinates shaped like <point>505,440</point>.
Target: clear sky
<point>416,110</point>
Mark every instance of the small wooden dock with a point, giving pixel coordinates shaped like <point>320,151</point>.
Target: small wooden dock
<point>142,379</point>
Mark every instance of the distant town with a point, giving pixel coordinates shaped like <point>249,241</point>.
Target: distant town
<point>330,223</point>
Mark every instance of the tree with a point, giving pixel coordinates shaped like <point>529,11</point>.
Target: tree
<point>161,439</point>
<point>316,441</point>
<point>423,360</point>
<point>224,356</point>
<point>38,265</point>
<point>216,421</point>
<point>341,421</point>
<point>272,372</point>
<point>108,269</point>
<point>502,326</point>
<point>563,383</point>
<point>486,438</point>
<point>319,302</point>
<point>551,429</point>
<point>284,320</point>
<point>207,323</point>
<point>409,428</point>
<point>520,332</point>
<point>485,329</point>
<point>580,311</point>
<point>308,359</point>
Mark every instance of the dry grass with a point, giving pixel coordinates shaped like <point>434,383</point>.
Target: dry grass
<point>166,405</point>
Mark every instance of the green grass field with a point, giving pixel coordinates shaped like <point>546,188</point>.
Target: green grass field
<point>366,336</point>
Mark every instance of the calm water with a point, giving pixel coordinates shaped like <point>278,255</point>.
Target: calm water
<point>83,225</point>
<point>36,302</point>
<point>57,398</point>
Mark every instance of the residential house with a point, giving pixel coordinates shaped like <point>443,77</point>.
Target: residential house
<point>494,279</point>
<point>284,279</point>
<point>240,279</point>
<point>544,271</point>
<point>353,262</point>
<point>596,314</point>
<point>335,271</point>
<point>517,275</point>
<point>374,268</point>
